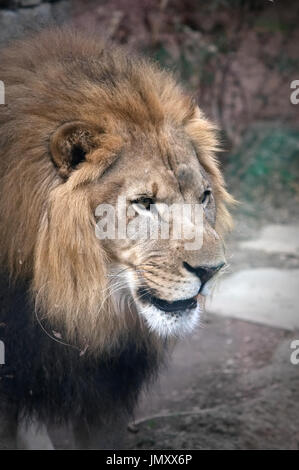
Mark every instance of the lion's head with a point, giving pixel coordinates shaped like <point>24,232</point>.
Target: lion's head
<point>86,127</point>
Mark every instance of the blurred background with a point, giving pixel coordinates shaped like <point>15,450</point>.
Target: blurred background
<point>235,382</point>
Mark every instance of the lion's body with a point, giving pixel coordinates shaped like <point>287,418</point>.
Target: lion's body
<point>70,354</point>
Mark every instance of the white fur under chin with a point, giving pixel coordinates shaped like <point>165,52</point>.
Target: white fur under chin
<point>167,324</point>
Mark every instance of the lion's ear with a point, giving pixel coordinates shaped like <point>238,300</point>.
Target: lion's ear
<point>72,143</point>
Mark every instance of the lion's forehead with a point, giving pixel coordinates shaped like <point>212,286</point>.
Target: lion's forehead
<point>165,171</point>
<point>164,183</point>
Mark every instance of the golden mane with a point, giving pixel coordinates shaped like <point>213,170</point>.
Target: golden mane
<point>46,223</point>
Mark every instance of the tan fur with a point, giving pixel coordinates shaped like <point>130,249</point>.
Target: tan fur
<point>47,213</point>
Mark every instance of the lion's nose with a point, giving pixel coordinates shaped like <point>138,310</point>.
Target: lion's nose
<point>204,273</point>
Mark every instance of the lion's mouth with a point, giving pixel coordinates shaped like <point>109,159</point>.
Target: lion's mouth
<point>164,305</point>
<point>165,318</point>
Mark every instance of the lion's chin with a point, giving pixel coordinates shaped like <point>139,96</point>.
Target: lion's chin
<point>170,324</point>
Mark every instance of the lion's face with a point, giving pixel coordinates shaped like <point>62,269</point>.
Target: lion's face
<point>120,185</point>
<point>163,271</point>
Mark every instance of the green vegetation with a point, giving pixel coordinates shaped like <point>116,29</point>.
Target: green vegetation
<point>266,163</point>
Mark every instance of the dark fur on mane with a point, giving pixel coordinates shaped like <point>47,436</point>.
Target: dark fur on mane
<point>54,382</point>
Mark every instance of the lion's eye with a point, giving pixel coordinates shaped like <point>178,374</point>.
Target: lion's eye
<point>144,202</point>
<point>206,197</point>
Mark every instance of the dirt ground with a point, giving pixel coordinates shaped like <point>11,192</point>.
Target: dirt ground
<point>231,386</point>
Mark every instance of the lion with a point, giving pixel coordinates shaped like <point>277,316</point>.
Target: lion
<point>87,321</point>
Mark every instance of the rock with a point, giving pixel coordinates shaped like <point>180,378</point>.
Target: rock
<point>261,295</point>
<point>8,24</point>
<point>40,13</point>
<point>29,3</point>
<point>276,239</point>
<point>14,23</point>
